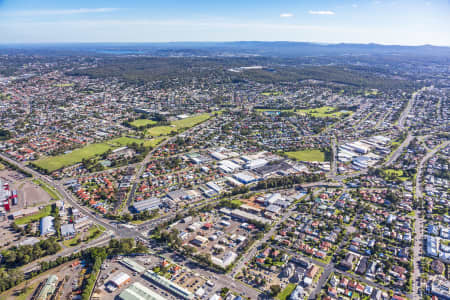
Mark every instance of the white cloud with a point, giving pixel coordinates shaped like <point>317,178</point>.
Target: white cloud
<point>53,12</point>
<point>321,12</point>
<point>286,15</point>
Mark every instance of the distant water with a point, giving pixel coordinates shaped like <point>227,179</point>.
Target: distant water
<point>118,51</point>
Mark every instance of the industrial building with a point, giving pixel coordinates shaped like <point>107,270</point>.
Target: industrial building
<point>48,289</point>
<point>118,281</point>
<point>169,285</point>
<point>149,204</point>
<point>46,226</point>
<point>137,291</point>
<point>132,265</point>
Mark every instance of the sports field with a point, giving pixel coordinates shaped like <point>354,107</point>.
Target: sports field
<point>57,162</point>
<point>322,112</point>
<point>178,125</point>
<point>124,141</point>
<point>142,123</point>
<point>76,156</point>
<point>307,155</point>
<point>191,121</point>
<point>160,130</point>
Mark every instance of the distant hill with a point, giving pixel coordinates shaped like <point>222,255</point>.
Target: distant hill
<point>249,48</point>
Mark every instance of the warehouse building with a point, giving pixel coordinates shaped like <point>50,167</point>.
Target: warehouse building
<point>48,289</point>
<point>46,226</point>
<point>137,291</point>
<point>118,281</point>
<point>149,204</point>
<point>132,265</point>
<point>168,285</point>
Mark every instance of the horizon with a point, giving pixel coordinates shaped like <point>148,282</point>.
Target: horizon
<point>400,22</point>
<point>218,42</point>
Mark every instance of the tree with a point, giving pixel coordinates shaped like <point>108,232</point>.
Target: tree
<point>275,289</point>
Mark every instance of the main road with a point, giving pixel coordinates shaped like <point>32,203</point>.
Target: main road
<point>419,222</point>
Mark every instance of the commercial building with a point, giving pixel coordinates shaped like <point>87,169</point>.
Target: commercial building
<point>48,289</point>
<point>168,285</point>
<point>137,291</point>
<point>46,226</point>
<point>131,264</point>
<point>119,280</point>
<point>149,204</point>
<point>67,230</point>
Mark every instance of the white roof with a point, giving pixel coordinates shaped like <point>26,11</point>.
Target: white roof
<point>119,279</point>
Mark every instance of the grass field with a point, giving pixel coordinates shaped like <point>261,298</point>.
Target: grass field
<point>273,109</point>
<point>307,155</point>
<point>160,130</point>
<point>63,85</point>
<point>397,173</point>
<point>322,112</point>
<point>57,162</point>
<point>272,93</point>
<point>50,190</point>
<point>124,141</point>
<point>2,167</point>
<point>191,121</point>
<point>284,294</point>
<point>142,123</point>
<point>178,125</point>
<point>46,211</point>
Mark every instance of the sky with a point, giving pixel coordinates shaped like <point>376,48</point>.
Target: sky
<point>400,22</point>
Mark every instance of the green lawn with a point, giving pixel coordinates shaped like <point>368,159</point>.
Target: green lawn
<point>178,125</point>
<point>142,123</point>
<point>274,109</point>
<point>307,155</point>
<point>272,93</point>
<point>322,112</point>
<point>191,121</point>
<point>63,85</point>
<point>124,141</point>
<point>2,167</point>
<point>160,130</point>
<point>57,162</point>
<point>397,173</point>
<point>50,190</point>
<point>93,233</point>
<point>284,294</point>
<point>46,211</point>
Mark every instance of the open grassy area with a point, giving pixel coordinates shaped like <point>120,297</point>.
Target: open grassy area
<point>397,173</point>
<point>46,211</point>
<point>178,125</point>
<point>63,85</point>
<point>124,141</point>
<point>2,167</point>
<point>191,121</point>
<point>93,233</point>
<point>160,130</point>
<point>275,93</point>
<point>323,112</point>
<point>284,294</point>
<point>307,155</point>
<point>142,123</point>
<point>57,162</point>
<point>273,109</point>
<point>50,190</point>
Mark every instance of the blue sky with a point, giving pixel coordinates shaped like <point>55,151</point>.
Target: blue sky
<point>406,22</point>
